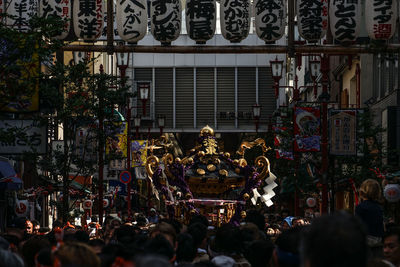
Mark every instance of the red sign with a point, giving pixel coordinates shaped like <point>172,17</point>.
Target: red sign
<point>125,177</point>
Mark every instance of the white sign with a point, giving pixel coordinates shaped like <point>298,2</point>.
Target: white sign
<point>235,19</point>
<point>26,136</point>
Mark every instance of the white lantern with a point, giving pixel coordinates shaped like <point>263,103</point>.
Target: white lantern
<point>87,204</point>
<point>345,20</point>
<point>235,19</point>
<point>312,19</point>
<point>391,192</point>
<point>131,20</point>
<point>88,19</point>
<point>59,9</point>
<point>106,203</point>
<point>166,19</point>
<point>200,20</point>
<point>311,202</point>
<point>270,19</point>
<point>20,12</point>
<point>380,19</point>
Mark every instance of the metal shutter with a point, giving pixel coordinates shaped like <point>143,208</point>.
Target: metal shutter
<point>246,96</point>
<point>164,94</point>
<point>226,98</point>
<point>184,98</point>
<point>205,97</point>
<point>266,96</point>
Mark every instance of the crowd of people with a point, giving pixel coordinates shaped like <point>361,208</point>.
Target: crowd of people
<point>262,240</point>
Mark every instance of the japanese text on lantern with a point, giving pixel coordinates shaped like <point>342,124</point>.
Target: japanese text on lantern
<point>133,12</point>
<point>165,19</point>
<point>272,18</point>
<point>345,26</point>
<point>383,8</point>
<point>236,14</point>
<point>200,14</point>
<point>313,18</point>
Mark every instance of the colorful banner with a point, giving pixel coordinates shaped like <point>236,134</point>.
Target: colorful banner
<point>116,138</point>
<point>342,132</point>
<point>281,142</point>
<point>139,153</point>
<point>307,124</point>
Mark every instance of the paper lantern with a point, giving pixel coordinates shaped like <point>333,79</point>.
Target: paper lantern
<point>391,192</point>
<point>59,9</point>
<point>312,19</point>
<point>131,17</point>
<point>166,19</point>
<point>270,18</point>
<point>380,19</point>
<point>88,19</point>
<point>106,203</point>
<point>21,208</point>
<point>87,204</point>
<point>235,19</point>
<point>200,20</point>
<point>20,12</point>
<point>345,20</point>
<point>311,202</point>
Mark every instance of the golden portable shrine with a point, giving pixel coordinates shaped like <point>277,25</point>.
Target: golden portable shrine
<point>210,182</point>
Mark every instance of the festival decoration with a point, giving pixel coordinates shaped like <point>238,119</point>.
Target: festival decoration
<point>106,203</point>
<point>345,20</point>
<point>391,192</point>
<point>206,174</point>
<point>88,19</point>
<point>307,129</point>
<point>58,9</point>
<point>131,17</point>
<point>166,20</point>
<point>20,12</point>
<point>311,202</point>
<point>235,19</point>
<point>380,19</point>
<point>201,19</point>
<point>270,19</point>
<point>312,19</point>
<point>87,204</point>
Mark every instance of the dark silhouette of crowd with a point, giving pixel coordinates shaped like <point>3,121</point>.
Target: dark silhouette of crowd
<point>261,240</point>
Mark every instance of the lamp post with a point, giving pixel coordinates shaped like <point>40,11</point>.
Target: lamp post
<point>276,68</point>
<point>256,115</point>
<point>136,120</point>
<point>144,95</point>
<point>315,66</point>
<point>122,64</point>
<point>161,122</point>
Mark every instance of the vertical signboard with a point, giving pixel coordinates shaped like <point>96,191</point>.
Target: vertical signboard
<point>307,124</point>
<point>343,126</point>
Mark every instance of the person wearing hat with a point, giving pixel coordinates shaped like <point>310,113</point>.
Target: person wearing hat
<point>153,217</point>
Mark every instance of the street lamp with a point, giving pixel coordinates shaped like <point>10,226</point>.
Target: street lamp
<point>276,68</point>
<point>315,67</point>
<point>161,122</point>
<point>256,114</point>
<point>144,95</point>
<point>122,64</point>
<point>136,121</point>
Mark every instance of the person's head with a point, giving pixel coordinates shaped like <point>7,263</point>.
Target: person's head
<point>96,244</point>
<point>186,249</point>
<point>391,244</point>
<point>28,227</point>
<point>159,245</point>
<point>36,226</point>
<point>286,253</point>
<point>334,240</point>
<point>77,255</point>
<point>227,240</point>
<point>259,253</point>
<point>255,217</point>
<point>370,190</point>
<point>32,246</point>
<point>287,223</point>
<point>166,230</point>
<point>8,258</point>
<point>199,233</point>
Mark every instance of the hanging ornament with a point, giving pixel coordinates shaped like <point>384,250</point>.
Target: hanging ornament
<point>312,19</point>
<point>87,204</point>
<point>270,19</point>
<point>106,203</point>
<point>131,17</point>
<point>380,19</point>
<point>391,192</point>
<point>235,19</point>
<point>166,20</point>
<point>200,20</point>
<point>345,20</point>
<point>88,19</point>
<point>311,202</point>
<point>57,9</point>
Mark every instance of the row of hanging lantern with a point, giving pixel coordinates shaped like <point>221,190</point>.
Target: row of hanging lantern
<point>166,16</point>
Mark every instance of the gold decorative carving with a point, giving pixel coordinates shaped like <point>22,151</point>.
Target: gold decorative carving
<point>151,163</point>
<point>262,162</point>
<point>211,167</point>
<point>201,171</point>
